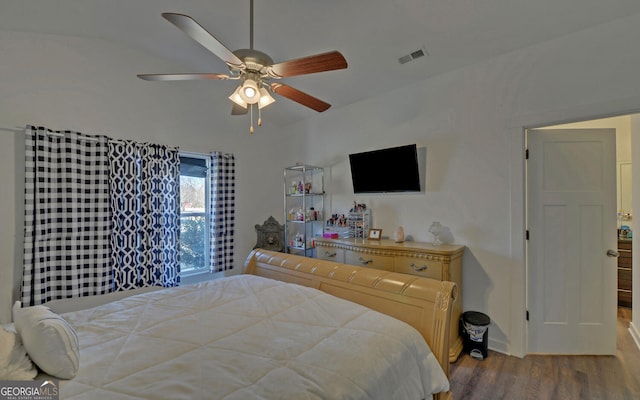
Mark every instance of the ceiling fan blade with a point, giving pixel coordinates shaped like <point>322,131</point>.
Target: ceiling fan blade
<point>308,65</point>
<point>181,77</point>
<point>239,110</point>
<point>189,26</point>
<point>299,97</point>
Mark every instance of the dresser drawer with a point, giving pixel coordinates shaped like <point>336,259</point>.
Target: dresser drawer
<point>624,278</point>
<point>624,298</point>
<point>368,260</point>
<point>330,254</point>
<point>420,267</point>
<point>625,244</point>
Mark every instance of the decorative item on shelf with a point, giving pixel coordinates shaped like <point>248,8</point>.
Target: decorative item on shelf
<point>298,240</point>
<point>625,232</point>
<point>375,234</point>
<point>436,230</point>
<point>398,235</point>
<point>312,214</point>
<point>358,207</point>
<point>337,220</point>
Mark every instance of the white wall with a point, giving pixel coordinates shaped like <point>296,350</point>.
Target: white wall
<point>471,122</point>
<point>83,84</point>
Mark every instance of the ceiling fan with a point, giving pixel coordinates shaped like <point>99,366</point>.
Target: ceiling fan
<point>254,69</point>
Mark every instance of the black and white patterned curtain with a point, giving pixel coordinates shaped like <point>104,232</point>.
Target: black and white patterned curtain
<point>223,199</point>
<point>145,202</point>
<point>67,231</point>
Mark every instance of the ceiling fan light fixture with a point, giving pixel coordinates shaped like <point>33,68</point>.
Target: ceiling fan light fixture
<point>249,91</point>
<point>265,98</point>
<point>253,69</point>
<point>236,97</point>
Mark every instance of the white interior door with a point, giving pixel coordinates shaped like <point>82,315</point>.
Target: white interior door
<point>572,225</point>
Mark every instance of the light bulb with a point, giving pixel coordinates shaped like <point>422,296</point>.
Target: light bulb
<point>249,92</point>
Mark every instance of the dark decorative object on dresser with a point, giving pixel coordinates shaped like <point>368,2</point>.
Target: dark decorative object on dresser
<point>270,235</point>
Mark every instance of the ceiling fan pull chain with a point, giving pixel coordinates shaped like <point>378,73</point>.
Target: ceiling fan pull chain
<point>251,118</point>
<point>259,117</point>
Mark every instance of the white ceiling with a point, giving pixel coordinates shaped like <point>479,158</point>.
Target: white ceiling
<point>371,34</point>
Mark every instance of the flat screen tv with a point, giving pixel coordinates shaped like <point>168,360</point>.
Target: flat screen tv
<point>391,170</point>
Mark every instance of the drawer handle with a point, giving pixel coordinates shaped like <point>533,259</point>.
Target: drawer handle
<point>362,260</point>
<point>327,254</point>
<point>416,268</point>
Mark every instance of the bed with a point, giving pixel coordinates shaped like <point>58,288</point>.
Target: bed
<point>281,330</point>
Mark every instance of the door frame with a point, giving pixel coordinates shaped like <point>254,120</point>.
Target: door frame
<point>516,128</point>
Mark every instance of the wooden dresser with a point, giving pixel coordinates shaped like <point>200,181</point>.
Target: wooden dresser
<point>443,262</point>
<point>624,272</point>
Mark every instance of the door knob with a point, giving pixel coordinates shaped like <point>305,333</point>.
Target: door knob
<point>612,253</point>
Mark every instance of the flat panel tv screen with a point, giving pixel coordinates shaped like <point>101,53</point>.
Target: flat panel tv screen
<point>390,170</point>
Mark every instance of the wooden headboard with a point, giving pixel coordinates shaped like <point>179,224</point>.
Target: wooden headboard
<point>423,303</point>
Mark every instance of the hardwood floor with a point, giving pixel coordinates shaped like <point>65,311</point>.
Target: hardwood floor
<point>552,377</point>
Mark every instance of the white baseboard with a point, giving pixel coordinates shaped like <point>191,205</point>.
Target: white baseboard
<point>499,346</point>
<point>502,347</point>
<point>635,334</point>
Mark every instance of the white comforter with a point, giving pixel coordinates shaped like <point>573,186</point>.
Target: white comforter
<point>246,337</point>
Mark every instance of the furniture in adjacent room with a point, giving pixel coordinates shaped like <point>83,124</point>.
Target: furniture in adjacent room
<point>442,262</point>
<point>624,272</point>
<point>303,208</point>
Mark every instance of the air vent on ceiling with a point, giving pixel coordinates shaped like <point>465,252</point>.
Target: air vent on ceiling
<point>412,56</point>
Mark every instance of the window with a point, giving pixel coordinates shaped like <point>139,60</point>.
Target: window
<point>194,213</point>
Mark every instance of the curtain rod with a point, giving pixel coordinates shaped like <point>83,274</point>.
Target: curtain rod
<point>49,132</point>
<point>81,136</point>
<point>12,130</point>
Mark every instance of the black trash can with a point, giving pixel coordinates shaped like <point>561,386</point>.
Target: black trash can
<point>474,328</point>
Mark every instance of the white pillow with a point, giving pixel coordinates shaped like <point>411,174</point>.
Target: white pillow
<point>15,364</point>
<point>50,341</point>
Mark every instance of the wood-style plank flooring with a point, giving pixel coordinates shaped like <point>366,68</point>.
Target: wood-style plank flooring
<point>552,377</point>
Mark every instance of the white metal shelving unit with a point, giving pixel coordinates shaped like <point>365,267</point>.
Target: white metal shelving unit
<point>303,208</point>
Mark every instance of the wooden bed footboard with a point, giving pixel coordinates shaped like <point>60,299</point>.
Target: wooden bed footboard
<point>423,303</point>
